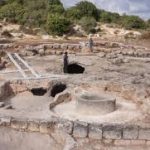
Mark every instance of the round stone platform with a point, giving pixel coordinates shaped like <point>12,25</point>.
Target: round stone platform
<point>94,104</point>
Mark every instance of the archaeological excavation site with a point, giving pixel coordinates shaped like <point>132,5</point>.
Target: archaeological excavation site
<point>103,102</point>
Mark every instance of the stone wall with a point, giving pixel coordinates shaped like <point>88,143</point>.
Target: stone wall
<point>108,134</point>
<point>110,49</point>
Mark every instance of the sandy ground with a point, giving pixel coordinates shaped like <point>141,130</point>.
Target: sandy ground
<point>125,112</point>
<point>14,140</point>
<point>26,105</point>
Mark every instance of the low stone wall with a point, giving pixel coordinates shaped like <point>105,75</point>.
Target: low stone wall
<point>109,134</point>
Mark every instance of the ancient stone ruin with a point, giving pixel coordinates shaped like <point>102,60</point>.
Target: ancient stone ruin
<point>102,103</point>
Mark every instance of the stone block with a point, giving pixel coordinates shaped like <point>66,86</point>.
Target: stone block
<point>71,47</point>
<point>56,46</point>
<point>80,130</point>
<point>108,141</point>
<point>33,126</point>
<point>44,127</point>
<point>64,46</point>
<point>130,133</point>
<point>5,121</point>
<point>49,46</point>
<point>144,134</point>
<point>95,132</point>
<point>122,142</point>
<point>138,142</point>
<point>66,126</point>
<point>112,132</point>
<point>19,124</point>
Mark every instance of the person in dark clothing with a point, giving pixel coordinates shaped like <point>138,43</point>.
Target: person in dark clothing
<point>65,59</point>
<point>91,44</point>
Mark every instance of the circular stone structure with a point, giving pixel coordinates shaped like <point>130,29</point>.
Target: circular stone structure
<point>93,104</point>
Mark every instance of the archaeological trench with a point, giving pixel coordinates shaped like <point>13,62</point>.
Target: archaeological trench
<point>102,103</point>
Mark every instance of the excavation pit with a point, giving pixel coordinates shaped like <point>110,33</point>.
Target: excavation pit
<point>38,91</point>
<point>75,68</point>
<point>58,88</point>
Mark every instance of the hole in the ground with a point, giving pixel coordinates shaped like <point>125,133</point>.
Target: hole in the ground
<point>75,68</point>
<point>38,91</point>
<point>58,88</point>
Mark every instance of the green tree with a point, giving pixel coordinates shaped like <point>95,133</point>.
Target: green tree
<point>13,12</point>
<point>57,25</point>
<point>88,24</point>
<point>73,13</point>
<point>55,6</point>
<point>87,9</point>
<point>109,17</point>
<point>105,17</point>
<point>35,13</point>
<point>55,2</point>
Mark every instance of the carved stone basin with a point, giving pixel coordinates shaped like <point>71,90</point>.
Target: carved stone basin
<point>94,104</point>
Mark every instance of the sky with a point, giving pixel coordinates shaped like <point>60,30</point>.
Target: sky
<point>131,7</point>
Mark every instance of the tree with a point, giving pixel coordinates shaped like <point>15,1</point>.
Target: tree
<point>57,25</point>
<point>105,17</point>
<point>109,17</point>
<point>87,9</point>
<point>35,13</point>
<point>13,12</point>
<point>55,6</point>
<point>55,2</point>
<point>88,24</point>
<point>73,13</point>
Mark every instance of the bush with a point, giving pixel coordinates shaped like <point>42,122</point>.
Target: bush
<point>12,12</point>
<point>108,17</point>
<point>87,9</point>
<point>133,22</point>
<point>105,17</point>
<point>35,13</point>
<point>73,13</point>
<point>88,24</point>
<point>57,25</point>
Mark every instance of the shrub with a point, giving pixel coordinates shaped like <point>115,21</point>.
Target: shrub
<point>57,25</point>
<point>130,22</point>
<point>35,13</point>
<point>13,12</point>
<point>108,17</point>
<point>87,9</point>
<point>73,13</point>
<point>88,24</point>
<point>105,17</point>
